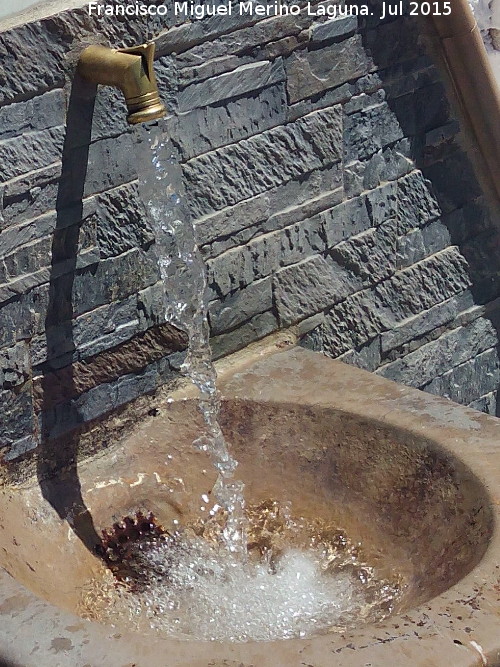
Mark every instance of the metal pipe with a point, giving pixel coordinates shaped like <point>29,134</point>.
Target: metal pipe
<point>131,70</point>
<point>475,85</point>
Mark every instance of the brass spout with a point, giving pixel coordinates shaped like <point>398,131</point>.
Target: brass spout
<point>131,70</point>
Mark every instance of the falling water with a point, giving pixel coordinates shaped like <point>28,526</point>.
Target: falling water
<point>246,573</point>
<point>183,273</point>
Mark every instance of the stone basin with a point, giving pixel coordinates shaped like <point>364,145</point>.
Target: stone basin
<point>413,476</point>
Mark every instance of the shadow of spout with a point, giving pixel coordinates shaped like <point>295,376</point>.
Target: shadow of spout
<point>57,458</point>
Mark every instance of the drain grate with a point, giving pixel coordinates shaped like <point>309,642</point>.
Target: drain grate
<point>120,544</point>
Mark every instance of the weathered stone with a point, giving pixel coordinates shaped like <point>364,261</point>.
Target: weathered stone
<point>239,267</point>
<point>417,204</point>
<point>312,285</point>
<point>33,150</point>
<point>123,224</point>
<point>333,29</point>
<point>16,416</point>
<point>437,357</point>
<point>264,161</point>
<point>52,38</point>
<point>487,403</point>
<point>258,327</point>
<point>370,255</point>
<point>312,72</point>
<point>14,365</point>
<point>241,306</point>
<point>388,164</point>
<point>271,207</point>
<point>129,357</point>
<point>39,113</point>
<point>366,357</point>
<point>207,128</point>
<point>468,381</point>
<point>246,78</point>
<point>370,130</point>
<point>417,325</point>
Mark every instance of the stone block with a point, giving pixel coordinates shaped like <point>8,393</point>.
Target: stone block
<point>395,42</point>
<point>333,29</point>
<point>387,164</point>
<point>252,166</point>
<point>123,224</point>
<point>487,403</point>
<point>130,357</point>
<point>469,381</point>
<point>240,81</point>
<point>444,275</point>
<point>370,255</point>
<point>451,349</point>
<point>312,72</point>
<point>113,279</point>
<point>238,267</point>
<point>370,130</point>
<point>310,286</point>
<point>339,222</point>
<point>352,323</point>
<point>241,306</point>
<point>453,181</point>
<point>39,113</point>
<point>34,202</point>
<point>16,417</point>
<point>381,203</point>
<point>246,34</point>
<point>208,127</point>
<point>416,326</point>
<point>366,357</point>
<point>267,211</point>
<point>259,326</point>
<point>14,365</point>
<point>16,321</point>
<point>417,204</point>
<point>30,151</point>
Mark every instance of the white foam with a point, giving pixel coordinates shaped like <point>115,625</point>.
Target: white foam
<point>197,590</point>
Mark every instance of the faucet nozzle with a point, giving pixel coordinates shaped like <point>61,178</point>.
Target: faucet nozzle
<point>131,70</point>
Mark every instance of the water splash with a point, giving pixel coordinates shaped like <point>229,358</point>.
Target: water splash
<point>184,277</point>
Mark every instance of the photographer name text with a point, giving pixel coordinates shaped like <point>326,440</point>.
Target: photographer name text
<point>192,10</point>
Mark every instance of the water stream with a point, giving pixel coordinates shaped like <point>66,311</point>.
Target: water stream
<point>183,273</point>
<point>246,573</point>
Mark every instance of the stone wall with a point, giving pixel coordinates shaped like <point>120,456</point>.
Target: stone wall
<point>329,188</point>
